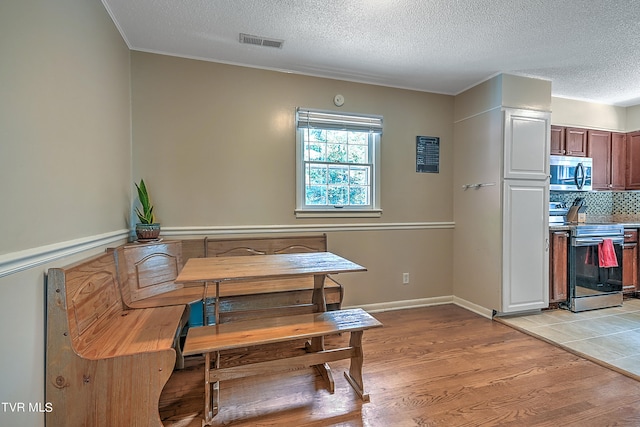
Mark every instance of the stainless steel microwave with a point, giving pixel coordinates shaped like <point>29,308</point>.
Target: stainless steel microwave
<point>570,173</point>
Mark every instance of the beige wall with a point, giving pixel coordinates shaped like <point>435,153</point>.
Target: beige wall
<point>65,80</point>
<point>483,97</point>
<point>425,254</point>
<point>65,172</point>
<point>633,118</point>
<point>216,145</point>
<point>526,93</point>
<point>478,234</point>
<point>503,90</point>
<point>570,112</point>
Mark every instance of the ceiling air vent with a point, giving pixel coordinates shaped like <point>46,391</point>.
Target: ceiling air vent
<point>260,41</point>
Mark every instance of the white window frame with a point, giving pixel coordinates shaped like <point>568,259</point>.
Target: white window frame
<point>335,120</point>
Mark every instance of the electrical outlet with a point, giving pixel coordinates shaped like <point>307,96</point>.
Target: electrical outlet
<point>405,278</point>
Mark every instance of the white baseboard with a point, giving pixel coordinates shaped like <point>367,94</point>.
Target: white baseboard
<point>426,302</point>
<point>482,311</point>
<point>400,305</point>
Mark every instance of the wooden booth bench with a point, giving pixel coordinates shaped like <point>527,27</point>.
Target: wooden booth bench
<point>106,365</point>
<point>115,323</point>
<point>148,272</point>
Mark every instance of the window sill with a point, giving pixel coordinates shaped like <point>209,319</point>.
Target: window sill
<point>338,213</point>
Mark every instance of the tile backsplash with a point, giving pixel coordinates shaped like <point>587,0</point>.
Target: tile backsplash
<point>603,202</point>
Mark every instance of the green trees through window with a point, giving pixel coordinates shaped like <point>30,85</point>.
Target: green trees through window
<point>337,167</point>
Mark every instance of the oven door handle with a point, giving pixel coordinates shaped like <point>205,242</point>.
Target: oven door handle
<point>592,241</point>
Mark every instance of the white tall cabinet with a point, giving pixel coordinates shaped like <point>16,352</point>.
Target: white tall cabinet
<point>502,134</point>
<point>525,216</point>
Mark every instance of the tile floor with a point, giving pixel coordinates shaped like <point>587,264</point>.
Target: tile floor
<point>610,336</point>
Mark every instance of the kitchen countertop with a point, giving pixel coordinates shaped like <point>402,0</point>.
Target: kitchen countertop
<point>630,221</point>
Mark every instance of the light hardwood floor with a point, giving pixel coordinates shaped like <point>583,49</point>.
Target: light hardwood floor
<point>433,366</point>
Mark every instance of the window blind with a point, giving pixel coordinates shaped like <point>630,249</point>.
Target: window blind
<point>310,119</point>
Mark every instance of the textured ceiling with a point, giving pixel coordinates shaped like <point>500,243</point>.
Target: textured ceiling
<point>589,49</point>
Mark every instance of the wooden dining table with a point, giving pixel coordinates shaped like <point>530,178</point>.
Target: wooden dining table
<point>262,268</point>
<point>216,270</point>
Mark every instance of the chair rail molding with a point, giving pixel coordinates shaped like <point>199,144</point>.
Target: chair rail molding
<point>15,262</point>
<point>307,228</point>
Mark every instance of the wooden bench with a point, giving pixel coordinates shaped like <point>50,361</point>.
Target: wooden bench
<point>105,365</point>
<point>147,274</point>
<point>148,270</point>
<point>210,340</point>
<point>268,298</point>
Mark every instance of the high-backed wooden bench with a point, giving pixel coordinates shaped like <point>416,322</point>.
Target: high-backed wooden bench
<point>210,340</point>
<point>148,271</point>
<point>260,298</point>
<point>147,274</point>
<point>106,365</point>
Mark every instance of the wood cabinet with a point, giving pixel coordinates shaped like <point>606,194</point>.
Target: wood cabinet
<point>608,151</point>
<point>575,142</point>
<point>616,156</point>
<point>633,161</point>
<point>599,149</point>
<point>630,261</point>
<point>568,141</point>
<point>558,266</point>
<point>618,160</point>
<point>557,140</point>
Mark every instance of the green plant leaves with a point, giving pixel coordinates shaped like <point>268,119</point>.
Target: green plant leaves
<point>145,216</point>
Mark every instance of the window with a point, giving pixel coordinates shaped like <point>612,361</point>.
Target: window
<point>337,163</point>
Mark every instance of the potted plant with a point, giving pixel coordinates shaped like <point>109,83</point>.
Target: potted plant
<point>146,229</point>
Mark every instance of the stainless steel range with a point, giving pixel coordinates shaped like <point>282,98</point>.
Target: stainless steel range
<point>595,266</point>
